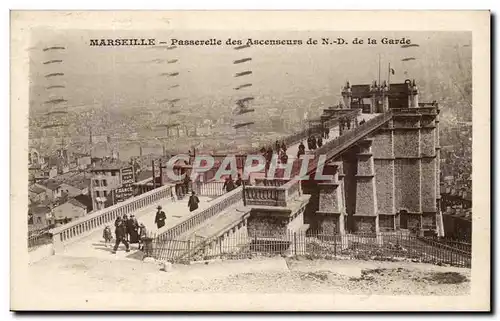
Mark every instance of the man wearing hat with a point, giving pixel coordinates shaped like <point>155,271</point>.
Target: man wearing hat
<point>120,232</point>
<point>160,218</point>
<point>193,202</point>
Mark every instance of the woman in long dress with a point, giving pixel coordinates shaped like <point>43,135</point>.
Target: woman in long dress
<point>132,229</point>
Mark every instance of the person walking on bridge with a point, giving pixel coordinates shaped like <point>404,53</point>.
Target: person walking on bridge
<point>239,181</point>
<point>132,229</point>
<point>283,146</point>
<point>160,218</point>
<point>229,184</point>
<point>120,233</point>
<point>302,150</point>
<point>283,157</point>
<point>320,141</point>
<point>309,140</point>
<point>313,143</point>
<point>193,202</point>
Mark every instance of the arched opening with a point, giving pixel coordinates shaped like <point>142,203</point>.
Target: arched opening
<point>403,219</point>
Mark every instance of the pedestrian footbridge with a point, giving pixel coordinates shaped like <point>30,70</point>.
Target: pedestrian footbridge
<point>219,214</point>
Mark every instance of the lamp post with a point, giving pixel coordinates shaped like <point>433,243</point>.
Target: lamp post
<point>244,196</point>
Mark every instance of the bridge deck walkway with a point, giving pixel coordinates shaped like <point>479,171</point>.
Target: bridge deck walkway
<point>333,134</point>
<point>93,245</point>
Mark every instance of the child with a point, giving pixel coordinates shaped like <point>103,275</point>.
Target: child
<point>106,234</point>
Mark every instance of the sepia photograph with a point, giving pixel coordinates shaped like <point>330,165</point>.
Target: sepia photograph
<point>261,160</point>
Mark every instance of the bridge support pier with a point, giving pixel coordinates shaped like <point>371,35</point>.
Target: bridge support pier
<point>366,216</point>
<point>330,216</point>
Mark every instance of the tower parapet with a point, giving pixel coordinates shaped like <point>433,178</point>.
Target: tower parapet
<point>347,95</point>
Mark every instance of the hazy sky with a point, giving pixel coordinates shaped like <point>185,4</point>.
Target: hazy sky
<point>293,76</point>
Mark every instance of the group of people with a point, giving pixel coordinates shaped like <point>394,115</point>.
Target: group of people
<point>280,149</point>
<point>127,231</point>
<point>230,184</point>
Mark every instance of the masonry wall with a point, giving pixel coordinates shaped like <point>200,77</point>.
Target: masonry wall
<point>384,178</point>
<point>429,192</point>
<point>406,143</point>
<point>427,142</point>
<point>268,226</point>
<point>365,196</point>
<point>407,179</point>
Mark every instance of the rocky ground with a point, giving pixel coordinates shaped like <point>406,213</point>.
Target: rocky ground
<point>265,275</point>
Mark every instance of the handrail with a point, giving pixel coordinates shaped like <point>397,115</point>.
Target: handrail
<point>335,146</point>
<point>201,215</point>
<point>211,188</point>
<point>303,134</point>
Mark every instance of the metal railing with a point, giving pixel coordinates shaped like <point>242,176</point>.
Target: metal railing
<point>381,247</point>
<point>212,188</point>
<point>38,237</point>
<point>339,144</point>
<point>427,110</point>
<point>305,133</point>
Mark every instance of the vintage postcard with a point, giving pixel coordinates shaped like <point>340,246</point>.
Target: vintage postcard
<point>250,160</point>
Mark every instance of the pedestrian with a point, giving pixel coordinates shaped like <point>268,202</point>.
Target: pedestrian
<point>302,150</point>
<point>283,146</point>
<point>313,143</point>
<point>107,235</point>
<point>193,202</point>
<point>143,233</point>
<point>326,133</point>
<point>239,181</point>
<point>269,155</point>
<point>229,184</point>
<point>277,146</point>
<point>284,157</point>
<point>125,220</point>
<point>133,229</point>
<point>120,234</point>
<point>320,141</point>
<point>309,140</point>
<point>160,218</point>
<point>187,180</point>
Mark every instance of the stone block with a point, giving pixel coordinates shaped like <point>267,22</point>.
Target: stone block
<point>407,175</point>
<point>268,226</point>
<point>382,146</point>
<point>329,198</point>
<point>427,142</point>
<point>406,143</point>
<point>328,224</point>
<point>365,224</point>
<point>365,196</point>
<point>428,181</point>
<point>384,180</point>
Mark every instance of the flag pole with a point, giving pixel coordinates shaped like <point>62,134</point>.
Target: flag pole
<point>379,70</point>
<point>389,76</point>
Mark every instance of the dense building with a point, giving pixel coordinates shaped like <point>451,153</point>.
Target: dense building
<point>107,184</point>
<point>70,210</point>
